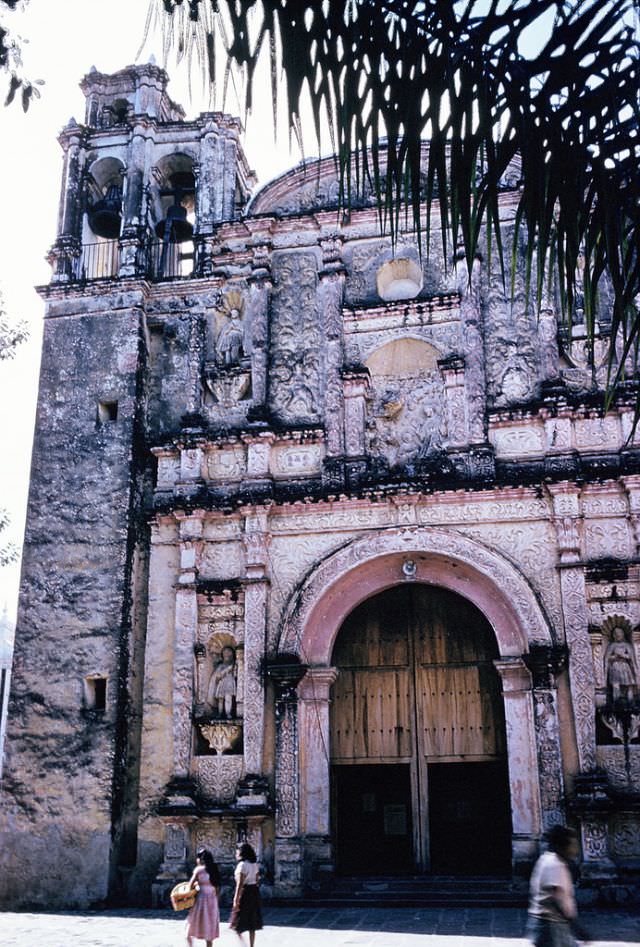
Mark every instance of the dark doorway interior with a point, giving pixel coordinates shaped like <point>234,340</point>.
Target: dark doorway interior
<point>469,819</point>
<point>373,819</point>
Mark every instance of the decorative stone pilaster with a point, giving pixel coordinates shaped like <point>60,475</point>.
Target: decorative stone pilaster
<point>191,468</point>
<point>548,342</point>
<point>356,384</point>
<point>313,722</point>
<point>195,367</point>
<point>134,205</point>
<point>260,286</point>
<point>452,369</point>
<point>288,860</point>
<point>472,333</point>
<point>186,628</point>
<point>567,521</point>
<point>522,760</point>
<point>545,663</point>
<point>256,543</point>
<point>632,488</point>
<point>64,255</point>
<point>205,196</point>
<point>69,216</point>
<point>174,867</point>
<point>331,294</point>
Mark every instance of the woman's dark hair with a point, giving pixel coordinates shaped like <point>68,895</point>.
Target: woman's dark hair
<point>558,837</point>
<point>205,856</point>
<point>247,853</point>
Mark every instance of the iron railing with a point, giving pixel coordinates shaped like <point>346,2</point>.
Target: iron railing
<point>157,260</point>
<point>169,260</point>
<point>98,260</point>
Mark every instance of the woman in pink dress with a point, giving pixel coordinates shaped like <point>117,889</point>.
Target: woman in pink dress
<point>203,920</point>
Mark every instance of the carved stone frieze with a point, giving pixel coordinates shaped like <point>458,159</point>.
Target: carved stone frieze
<point>581,673</point>
<point>295,382</point>
<point>431,541</point>
<point>217,777</point>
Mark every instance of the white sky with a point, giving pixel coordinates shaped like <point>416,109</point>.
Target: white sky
<point>65,38</point>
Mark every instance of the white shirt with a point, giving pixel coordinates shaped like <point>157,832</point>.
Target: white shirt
<point>550,882</point>
<point>250,870</point>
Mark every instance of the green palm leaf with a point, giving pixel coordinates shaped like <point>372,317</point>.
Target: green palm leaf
<point>391,74</point>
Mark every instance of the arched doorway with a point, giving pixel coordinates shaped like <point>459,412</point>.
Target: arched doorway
<point>419,777</point>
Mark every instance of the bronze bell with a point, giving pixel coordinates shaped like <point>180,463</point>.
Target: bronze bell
<point>175,228</point>
<point>105,217</point>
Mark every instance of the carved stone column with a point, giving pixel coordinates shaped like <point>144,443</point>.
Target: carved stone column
<point>134,199</point>
<point>356,392</point>
<point>64,256</point>
<point>256,542</point>
<point>545,663</point>
<point>452,369</point>
<point>522,760</point>
<point>260,286</point>
<point>472,333</point>
<point>186,628</point>
<point>567,520</point>
<point>205,202</point>
<point>288,855</point>
<point>331,293</point>
<point>548,342</point>
<point>313,721</point>
<point>195,366</point>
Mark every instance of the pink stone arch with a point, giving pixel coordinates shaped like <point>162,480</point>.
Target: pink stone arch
<point>438,557</point>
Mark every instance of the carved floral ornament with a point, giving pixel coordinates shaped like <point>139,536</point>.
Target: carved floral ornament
<point>368,565</point>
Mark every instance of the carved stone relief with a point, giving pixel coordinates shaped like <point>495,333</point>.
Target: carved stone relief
<point>295,389</point>
<point>300,460</point>
<point>406,418</point>
<point>220,836</point>
<point>530,547</point>
<point>434,541</point>
<point>626,835</point>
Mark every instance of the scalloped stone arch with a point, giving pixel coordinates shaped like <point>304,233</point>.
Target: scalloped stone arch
<point>444,558</point>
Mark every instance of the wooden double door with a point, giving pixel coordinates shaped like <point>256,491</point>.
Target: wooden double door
<point>418,755</point>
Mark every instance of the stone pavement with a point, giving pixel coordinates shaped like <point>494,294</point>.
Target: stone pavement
<point>308,927</point>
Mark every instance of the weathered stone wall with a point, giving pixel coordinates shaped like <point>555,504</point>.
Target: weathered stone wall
<point>62,756</point>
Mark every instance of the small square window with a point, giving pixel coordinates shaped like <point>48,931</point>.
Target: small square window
<point>107,411</point>
<point>95,692</point>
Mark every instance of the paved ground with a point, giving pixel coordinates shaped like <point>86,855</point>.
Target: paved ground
<point>307,927</point>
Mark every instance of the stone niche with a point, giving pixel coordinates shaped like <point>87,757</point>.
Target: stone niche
<point>218,710</point>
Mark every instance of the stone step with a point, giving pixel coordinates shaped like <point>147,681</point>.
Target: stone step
<point>419,891</point>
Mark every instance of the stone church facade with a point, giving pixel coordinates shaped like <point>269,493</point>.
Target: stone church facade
<point>330,546</point>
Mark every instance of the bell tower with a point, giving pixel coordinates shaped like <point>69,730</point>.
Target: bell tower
<point>143,189</point>
<point>143,194</point>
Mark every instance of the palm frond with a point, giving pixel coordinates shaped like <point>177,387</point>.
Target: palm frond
<point>459,74</point>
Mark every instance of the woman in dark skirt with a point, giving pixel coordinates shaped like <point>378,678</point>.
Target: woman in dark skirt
<point>246,913</point>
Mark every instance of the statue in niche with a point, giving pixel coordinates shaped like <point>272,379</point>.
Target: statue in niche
<point>230,339</point>
<point>620,665</point>
<point>222,685</point>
